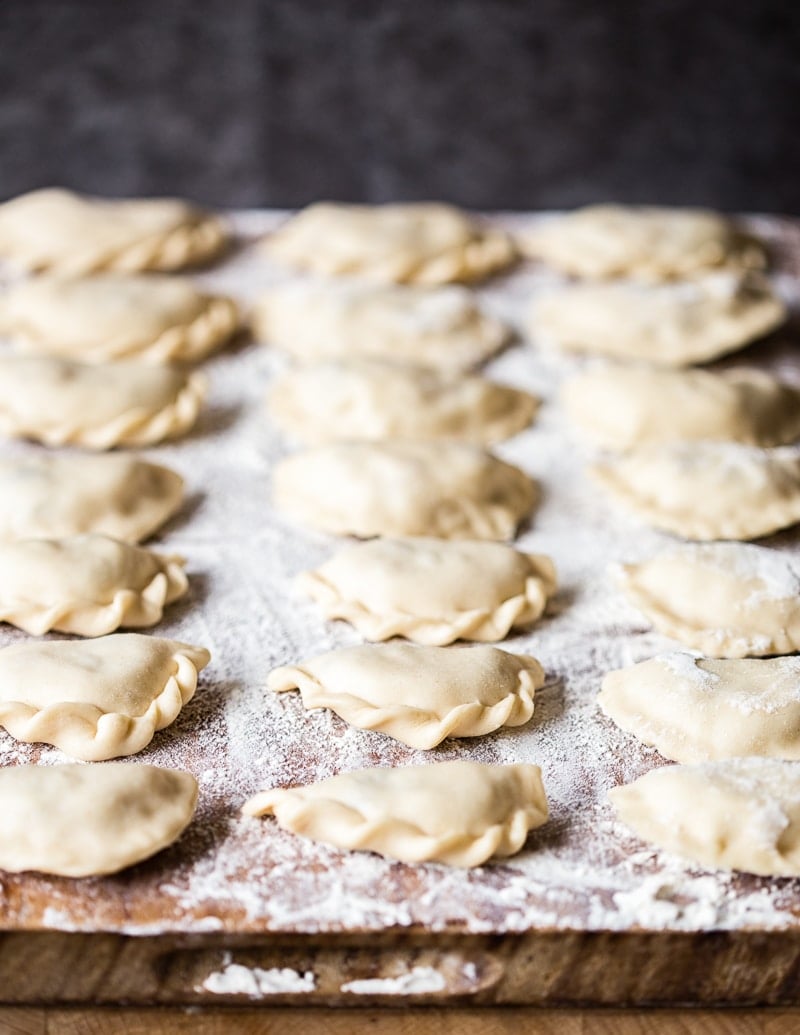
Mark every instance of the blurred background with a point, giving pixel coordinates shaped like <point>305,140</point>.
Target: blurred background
<point>496,104</point>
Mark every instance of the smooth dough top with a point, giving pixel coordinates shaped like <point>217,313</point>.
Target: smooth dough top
<point>73,234</point>
<point>89,820</point>
<point>640,241</point>
<point>735,814</point>
<point>112,316</point>
<point>438,327</point>
<point>404,488</point>
<point>460,812</point>
<point>427,243</point>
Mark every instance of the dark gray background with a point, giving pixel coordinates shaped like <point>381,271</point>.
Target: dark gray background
<point>489,103</point>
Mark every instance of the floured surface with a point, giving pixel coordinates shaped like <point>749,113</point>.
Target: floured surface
<point>581,870</point>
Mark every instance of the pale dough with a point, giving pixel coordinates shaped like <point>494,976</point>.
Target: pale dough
<point>624,406</point>
<point>460,812</point>
<point>442,327</point>
<point>50,496</point>
<point>432,591</point>
<point>88,585</point>
<point>699,709</point>
<point>72,234</point>
<point>418,695</point>
<point>640,241</point>
<point>404,488</point>
<point>113,316</point>
<point>707,490</point>
<point>374,399</point>
<point>736,814</point>
<point>85,821</point>
<point>727,600</point>
<point>668,325</point>
<point>96,699</point>
<point>426,243</point>
<point>62,402</point>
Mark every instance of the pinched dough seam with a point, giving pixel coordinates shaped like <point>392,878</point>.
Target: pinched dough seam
<point>133,608</point>
<point>137,426</point>
<point>87,732</point>
<point>330,821</point>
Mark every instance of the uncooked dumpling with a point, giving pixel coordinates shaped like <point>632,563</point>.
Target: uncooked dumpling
<point>698,709</point>
<point>89,585</point>
<point>62,402</point>
<point>707,490</point>
<point>669,325</point>
<point>737,814</point>
<point>96,699</point>
<point>436,327</point>
<point>404,488</point>
<point>460,813</point>
<point>640,241</point>
<point>624,406</point>
<point>432,591</point>
<point>426,243</point>
<point>373,399</point>
<point>727,600</point>
<point>74,234</point>
<point>418,695</point>
<point>85,821</point>
<point>113,316</point>
<point>45,496</point>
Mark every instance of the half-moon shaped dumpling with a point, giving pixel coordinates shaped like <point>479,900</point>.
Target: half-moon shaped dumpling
<point>624,406</point>
<point>441,327</point>
<point>427,243</point>
<point>372,399</point>
<point>85,821</point>
<point>640,241</point>
<point>698,709</point>
<point>404,488</point>
<point>737,814</point>
<point>55,496</point>
<point>432,591</point>
<point>418,695</point>
<point>460,812</point>
<point>62,402</point>
<point>670,325</point>
<point>96,699</point>
<point>707,490</point>
<point>74,234</point>
<point>727,600</point>
<point>113,316</point>
<point>89,585</point>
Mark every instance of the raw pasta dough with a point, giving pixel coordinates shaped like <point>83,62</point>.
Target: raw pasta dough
<point>418,244</point>
<point>707,490</point>
<point>728,600</point>
<point>699,709</point>
<point>737,814</point>
<point>670,325</point>
<point>418,695</point>
<point>89,585</point>
<point>443,327</point>
<point>640,241</point>
<point>404,488</point>
<point>371,399</point>
<point>459,812</point>
<point>84,821</point>
<point>624,406</point>
<point>432,591</point>
<point>55,496</point>
<point>96,699</point>
<point>113,316</point>
<point>61,402</point>
<point>74,234</point>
